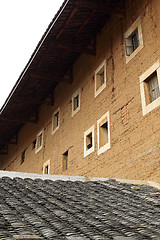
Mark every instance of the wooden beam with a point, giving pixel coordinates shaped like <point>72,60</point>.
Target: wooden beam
<point>4,150</point>
<point>28,100</point>
<point>49,78</point>
<point>16,120</point>
<point>3,153</point>
<point>85,22</point>
<point>45,77</point>
<point>112,9</point>
<point>67,21</point>
<point>7,142</point>
<point>73,48</point>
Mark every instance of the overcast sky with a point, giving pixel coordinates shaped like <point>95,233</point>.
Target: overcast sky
<point>22,24</point>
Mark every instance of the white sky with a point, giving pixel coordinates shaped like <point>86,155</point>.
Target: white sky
<point>22,24</point>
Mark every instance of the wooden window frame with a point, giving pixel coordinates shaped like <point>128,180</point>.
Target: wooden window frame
<point>104,119</point>
<point>77,93</point>
<point>147,107</point>
<point>53,116</point>
<point>37,149</point>
<point>100,89</point>
<point>128,34</point>
<point>86,133</point>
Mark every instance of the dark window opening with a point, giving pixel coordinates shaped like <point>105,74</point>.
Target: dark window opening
<point>132,42</point>
<point>34,144</point>
<point>56,120</point>
<point>65,161</point>
<point>23,155</point>
<point>103,134</point>
<point>39,141</point>
<point>76,102</point>
<point>152,91</point>
<point>89,141</point>
<point>100,78</point>
<point>46,169</point>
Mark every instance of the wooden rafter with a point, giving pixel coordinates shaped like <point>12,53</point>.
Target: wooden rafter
<point>45,77</point>
<point>27,100</point>
<point>16,120</point>
<point>50,78</point>
<point>7,142</point>
<point>85,22</point>
<point>4,150</point>
<point>112,9</point>
<point>67,21</point>
<point>73,48</point>
<point>3,153</point>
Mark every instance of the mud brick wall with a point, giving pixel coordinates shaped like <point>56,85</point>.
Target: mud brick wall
<point>135,139</point>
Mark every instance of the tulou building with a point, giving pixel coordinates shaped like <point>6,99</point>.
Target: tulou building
<point>88,101</point>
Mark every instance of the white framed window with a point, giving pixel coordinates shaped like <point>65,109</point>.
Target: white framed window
<point>46,167</point>
<point>103,133</point>
<point>89,141</point>
<point>133,40</point>
<point>39,141</point>
<point>76,102</point>
<point>55,120</point>
<point>150,88</point>
<point>100,78</point>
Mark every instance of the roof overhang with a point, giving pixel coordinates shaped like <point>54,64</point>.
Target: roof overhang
<point>71,33</point>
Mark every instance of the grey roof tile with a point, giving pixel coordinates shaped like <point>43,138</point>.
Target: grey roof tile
<point>77,210</point>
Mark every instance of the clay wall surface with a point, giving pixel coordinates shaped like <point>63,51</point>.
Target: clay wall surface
<point>135,139</point>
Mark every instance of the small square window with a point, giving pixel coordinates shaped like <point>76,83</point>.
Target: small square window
<point>133,40</point>
<point>75,102</point>
<point>55,121</point>
<point>89,141</point>
<point>39,142</point>
<point>150,88</point>
<point>23,155</point>
<point>100,78</point>
<point>46,167</point>
<point>103,133</point>
<point>65,161</point>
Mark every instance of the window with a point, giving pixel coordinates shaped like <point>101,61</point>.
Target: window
<point>89,141</point>
<point>55,120</point>
<point>100,78</point>
<point>46,167</point>
<point>65,161</point>
<point>39,141</point>
<point>133,40</point>
<point>23,155</point>
<point>34,144</point>
<point>150,88</point>
<point>75,102</point>
<point>103,133</point>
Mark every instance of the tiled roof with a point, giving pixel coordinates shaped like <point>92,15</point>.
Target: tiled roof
<point>77,210</point>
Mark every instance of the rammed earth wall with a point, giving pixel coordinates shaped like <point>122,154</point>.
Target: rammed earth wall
<point>135,139</point>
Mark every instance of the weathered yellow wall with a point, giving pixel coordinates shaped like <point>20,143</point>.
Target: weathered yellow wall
<point>135,139</point>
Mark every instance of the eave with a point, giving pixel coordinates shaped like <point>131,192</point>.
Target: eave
<point>71,33</point>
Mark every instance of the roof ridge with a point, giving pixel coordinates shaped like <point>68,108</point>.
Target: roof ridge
<point>23,175</point>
